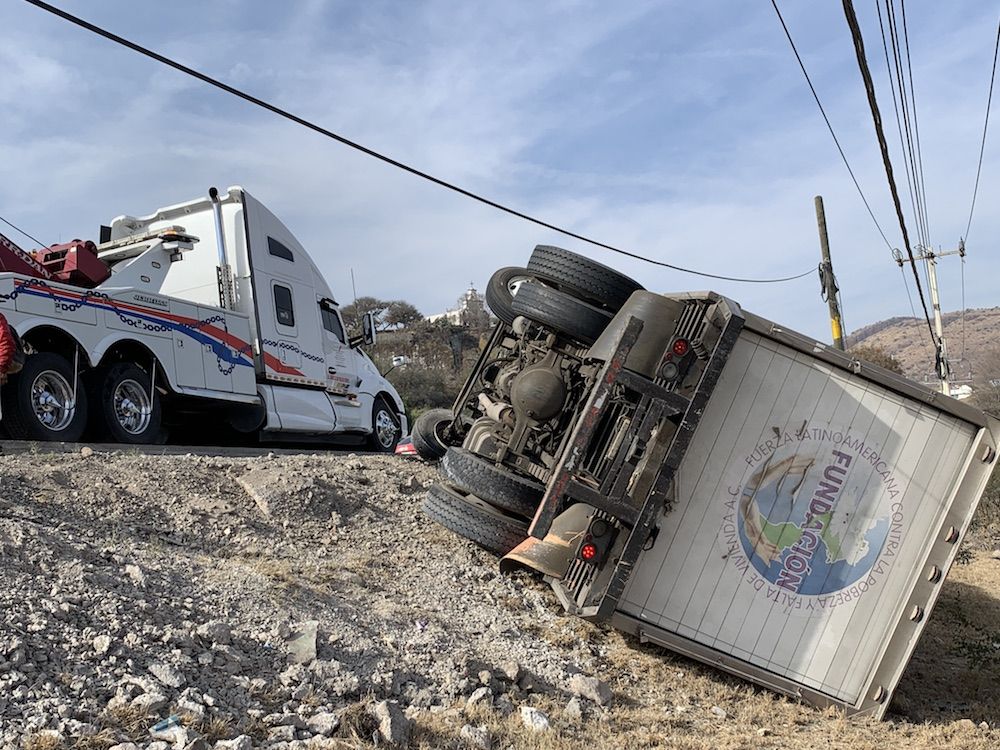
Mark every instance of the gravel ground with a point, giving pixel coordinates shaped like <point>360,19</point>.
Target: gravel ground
<point>295,600</point>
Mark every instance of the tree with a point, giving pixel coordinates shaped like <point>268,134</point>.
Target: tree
<point>399,314</point>
<point>877,355</point>
<point>354,312</point>
<point>389,314</point>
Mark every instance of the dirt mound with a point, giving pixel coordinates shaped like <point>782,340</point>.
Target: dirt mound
<point>304,601</point>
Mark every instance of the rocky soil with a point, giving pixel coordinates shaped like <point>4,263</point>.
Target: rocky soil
<point>297,601</point>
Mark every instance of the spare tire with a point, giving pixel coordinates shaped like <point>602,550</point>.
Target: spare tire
<point>474,519</point>
<point>427,433</point>
<point>496,485</point>
<point>560,311</point>
<point>585,278</point>
<point>500,291</point>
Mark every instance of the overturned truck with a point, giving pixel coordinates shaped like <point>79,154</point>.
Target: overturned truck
<point>708,480</point>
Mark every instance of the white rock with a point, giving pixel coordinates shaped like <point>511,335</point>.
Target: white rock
<point>149,703</point>
<point>301,644</point>
<point>177,735</point>
<point>478,737</point>
<point>481,695</point>
<point>393,725</point>
<point>590,688</point>
<point>511,670</point>
<point>534,719</point>
<point>101,644</point>
<point>574,709</point>
<point>134,572</point>
<point>720,712</point>
<point>166,674</point>
<point>243,742</point>
<point>285,733</point>
<point>216,631</point>
<point>324,723</point>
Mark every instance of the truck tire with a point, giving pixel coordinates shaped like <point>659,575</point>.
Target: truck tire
<point>36,401</point>
<point>561,312</point>
<point>427,430</point>
<point>496,485</point>
<point>500,291</point>
<point>130,411</point>
<point>582,277</point>
<point>386,430</point>
<point>474,519</point>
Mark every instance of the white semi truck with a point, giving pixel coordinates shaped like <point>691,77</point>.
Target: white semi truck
<point>709,480</point>
<point>204,313</point>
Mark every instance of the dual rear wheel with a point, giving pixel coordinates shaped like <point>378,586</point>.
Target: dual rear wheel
<point>47,401</point>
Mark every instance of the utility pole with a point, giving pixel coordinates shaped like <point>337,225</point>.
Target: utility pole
<point>929,257</point>
<point>828,282</point>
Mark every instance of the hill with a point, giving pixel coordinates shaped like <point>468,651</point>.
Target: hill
<point>908,341</point>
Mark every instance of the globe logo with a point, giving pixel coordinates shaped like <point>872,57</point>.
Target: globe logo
<point>802,527</point>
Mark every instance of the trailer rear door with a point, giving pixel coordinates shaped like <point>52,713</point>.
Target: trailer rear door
<point>815,514</point>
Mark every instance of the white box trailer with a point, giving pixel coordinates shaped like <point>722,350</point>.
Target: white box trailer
<point>714,483</point>
<point>814,516</point>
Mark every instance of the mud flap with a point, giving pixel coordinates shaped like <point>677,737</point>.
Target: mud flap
<point>552,555</point>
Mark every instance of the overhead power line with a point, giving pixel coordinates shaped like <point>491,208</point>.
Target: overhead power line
<point>859,49</point>
<point>829,127</point>
<point>39,242</point>
<point>986,122</point>
<point>916,125</point>
<point>382,157</point>
<point>901,109</point>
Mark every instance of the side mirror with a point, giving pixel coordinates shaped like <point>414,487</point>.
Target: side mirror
<point>368,328</point>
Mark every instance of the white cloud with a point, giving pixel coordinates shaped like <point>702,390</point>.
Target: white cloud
<point>702,148</point>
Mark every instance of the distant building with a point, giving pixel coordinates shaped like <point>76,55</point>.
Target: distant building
<point>470,311</point>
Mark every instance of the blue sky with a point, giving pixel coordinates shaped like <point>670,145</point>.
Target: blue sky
<point>680,131</point>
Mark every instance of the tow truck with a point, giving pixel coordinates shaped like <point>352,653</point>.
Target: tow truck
<point>204,313</point>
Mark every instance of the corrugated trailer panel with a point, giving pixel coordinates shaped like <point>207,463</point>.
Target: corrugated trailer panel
<point>805,511</point>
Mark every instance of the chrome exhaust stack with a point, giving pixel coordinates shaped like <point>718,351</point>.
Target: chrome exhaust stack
<point>227,294</point>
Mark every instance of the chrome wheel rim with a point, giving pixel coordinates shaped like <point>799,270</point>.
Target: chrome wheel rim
<point>385,429</point>
<point>52,400</point>
<point>132,407</point>
<point>515,283</point>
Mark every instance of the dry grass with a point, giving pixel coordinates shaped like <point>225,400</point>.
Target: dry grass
<point>101,741</point>
<point>665,701</point>
<point>129,720</point>
<point>216,728</point>
<point>44,741</point>
<point>357,725</point>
